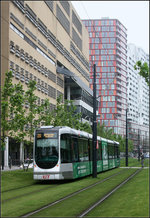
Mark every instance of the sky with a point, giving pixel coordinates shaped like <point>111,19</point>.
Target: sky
<point>134,15</point>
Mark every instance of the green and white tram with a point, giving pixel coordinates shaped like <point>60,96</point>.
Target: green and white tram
<point>65,153</point>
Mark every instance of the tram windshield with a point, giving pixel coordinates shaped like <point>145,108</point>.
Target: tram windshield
<point>46,149</point>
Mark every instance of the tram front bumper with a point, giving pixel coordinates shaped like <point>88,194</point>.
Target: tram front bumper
<point>47,176</point>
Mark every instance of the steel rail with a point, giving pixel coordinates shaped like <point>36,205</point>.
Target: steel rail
<point>70,195</point>
<point>108,194</point>
<point>13,189</point>
<point>29,193</point>
<point>34,183</point>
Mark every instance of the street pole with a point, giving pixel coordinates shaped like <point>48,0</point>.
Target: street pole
<point>138,145</point>
<point>126,139</point>
<point>94,126</point>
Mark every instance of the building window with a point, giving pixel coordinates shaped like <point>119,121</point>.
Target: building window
<point>17,75</point>
<point>49,4</point>
<point>51,76</point>
<point>31,15</point>
<point>20,5</point>
<point>12,68</point>
<point>26,77</point>
<point>22,55</point>
<point>76,22</point>
<point>42,28</point>
<point>17,51</point>
<point>62,19</point>
<point>12,47</point>
<point>14,18</point>
<point>22,74</point>
<point>76,39</point>
<point>66,6</point>
<point>16,30</point>
<point>27,58</point>
<point>31,34</point>
<point>60,82</point>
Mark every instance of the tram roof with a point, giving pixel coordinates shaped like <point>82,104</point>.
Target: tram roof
<point>69,130</point>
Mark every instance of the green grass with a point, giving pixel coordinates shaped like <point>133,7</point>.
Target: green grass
<point>22,205</point>
<point>75,205</point>
<point>131,200</point>
<point>23,191</point>
<point>31,202</point>
<point>15,179</point>
<point>133,162</point>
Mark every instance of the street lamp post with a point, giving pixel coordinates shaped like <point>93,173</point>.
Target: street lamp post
<point>138,145</point>
<point>126,139</point>
<point>94,126</point>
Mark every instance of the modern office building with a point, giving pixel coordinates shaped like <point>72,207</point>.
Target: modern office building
<point>46,41</point>
<point>108,50</point>
<point>138,100</point>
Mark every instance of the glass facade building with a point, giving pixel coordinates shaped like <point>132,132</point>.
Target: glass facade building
<point>108,50</point>
<point>138,100</point>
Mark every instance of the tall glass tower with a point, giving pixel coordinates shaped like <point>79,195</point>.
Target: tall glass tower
<point>108,50</point>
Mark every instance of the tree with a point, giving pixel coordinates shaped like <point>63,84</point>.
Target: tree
<point>143,70</point>
<point>104,131</point>
<point>86,127</point>
<point>17,113</point>
<point>46,115</point>
<point>65,114</point>
<point>109,134</point>
<point>32,115</point>
<point>7,91</point>
<point>12,115</point>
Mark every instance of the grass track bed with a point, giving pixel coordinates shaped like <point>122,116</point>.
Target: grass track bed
<point>131,200</point>
<point>29,203</point>
<point>25,191</point>
<point>83,200</point>
<point>16,179</point>
<point>133,162</point>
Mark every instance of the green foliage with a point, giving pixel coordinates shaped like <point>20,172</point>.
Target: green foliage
<point>66,115</point>
<point>45,115</point>
<point>13,100</point>
<point>143,70</point>
<point>109,134</point>
<point>86,127</point>
<point>17,110</point>
<point>31,99</point>
<point>7,92</point>
<point>104,132</point>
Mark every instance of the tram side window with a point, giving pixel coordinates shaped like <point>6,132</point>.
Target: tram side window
<point>83,149</point>
<point>74,148</point>
<point>90,150</point>
<point>65,148</point>
<point>117,148</point>
<point>110,151</point>
<point>116,152</point>
<point>99,151</point>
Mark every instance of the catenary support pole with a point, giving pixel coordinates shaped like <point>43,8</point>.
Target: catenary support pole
<point>138,144</point>
<point>94,126</point>
<point>126,139</point>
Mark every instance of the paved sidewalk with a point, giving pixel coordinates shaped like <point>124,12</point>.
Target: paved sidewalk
<point>135,167</point>
<point>12,168</point>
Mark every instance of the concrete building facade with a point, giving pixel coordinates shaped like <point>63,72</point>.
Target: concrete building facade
<point>108,50</point>
<point>138,100</point>
<point>46,41</point>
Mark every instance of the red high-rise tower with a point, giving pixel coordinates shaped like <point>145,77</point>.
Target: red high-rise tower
<point>108,50</point>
